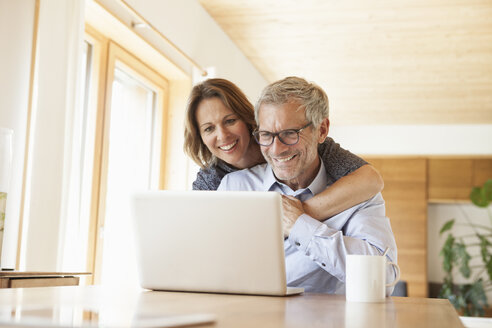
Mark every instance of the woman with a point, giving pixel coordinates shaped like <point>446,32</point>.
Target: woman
<point>218,137</point>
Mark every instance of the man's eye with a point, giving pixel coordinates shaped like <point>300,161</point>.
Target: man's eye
<point>289,134</point>
<point>265,134</point>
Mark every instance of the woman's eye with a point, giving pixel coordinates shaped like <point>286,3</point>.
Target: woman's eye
<point>208,129</point>
<point>230,121</point>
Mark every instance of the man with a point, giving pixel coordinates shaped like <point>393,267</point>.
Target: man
<point>292,117</point>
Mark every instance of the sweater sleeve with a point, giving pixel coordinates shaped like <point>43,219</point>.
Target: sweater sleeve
<point>338,161</point>
<point>210,177</point>
<point>206,179</point>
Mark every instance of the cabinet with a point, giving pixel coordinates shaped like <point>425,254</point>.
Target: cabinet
<point>17,279</point>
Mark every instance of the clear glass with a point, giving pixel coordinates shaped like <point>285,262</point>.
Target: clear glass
<point>76,229</point>
<point>131,163</point>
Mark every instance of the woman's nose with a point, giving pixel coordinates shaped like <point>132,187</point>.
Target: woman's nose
<point>222,132</point>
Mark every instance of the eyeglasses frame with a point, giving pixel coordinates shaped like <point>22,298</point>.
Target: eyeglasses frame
<point>277,134</point>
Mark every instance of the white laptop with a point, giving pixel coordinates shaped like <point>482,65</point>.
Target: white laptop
<point>210,241</point>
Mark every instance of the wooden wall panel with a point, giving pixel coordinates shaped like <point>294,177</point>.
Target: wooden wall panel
<point>405,194</point>
<point>482,171</point>
<point>451,179</point>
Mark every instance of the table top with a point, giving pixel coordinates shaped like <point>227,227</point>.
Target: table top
<point>96,305</point>
<point>27,274</point>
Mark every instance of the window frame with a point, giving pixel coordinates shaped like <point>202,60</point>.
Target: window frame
<point>107,55</point>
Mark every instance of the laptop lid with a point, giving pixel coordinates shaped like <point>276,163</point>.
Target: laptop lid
<point>210,241</point>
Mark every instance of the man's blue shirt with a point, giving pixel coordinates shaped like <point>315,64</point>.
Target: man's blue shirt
<point>315,251</point>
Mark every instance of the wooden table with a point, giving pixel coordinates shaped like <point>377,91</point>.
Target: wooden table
<point>22,279</point>
<point>122,307</point>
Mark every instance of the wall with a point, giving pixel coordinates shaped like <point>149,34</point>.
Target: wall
<point>14,94</point>
<point>190,27</point>
<point>415,139</point>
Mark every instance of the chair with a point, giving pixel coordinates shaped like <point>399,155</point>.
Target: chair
<point>400,289</point>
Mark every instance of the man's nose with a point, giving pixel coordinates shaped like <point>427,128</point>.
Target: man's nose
<point>278,147</point>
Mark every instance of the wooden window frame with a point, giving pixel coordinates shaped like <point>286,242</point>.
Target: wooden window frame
<point>107,55</point>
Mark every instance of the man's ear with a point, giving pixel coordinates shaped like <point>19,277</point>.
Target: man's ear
<point>323,130</point>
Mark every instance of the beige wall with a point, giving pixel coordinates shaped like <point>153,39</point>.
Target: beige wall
<point>190,27</point>
<point>15,65</point>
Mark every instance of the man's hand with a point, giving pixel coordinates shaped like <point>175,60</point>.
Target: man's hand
<point>292,208</point>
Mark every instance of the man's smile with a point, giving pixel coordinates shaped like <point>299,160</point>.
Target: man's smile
<point>284,159</point>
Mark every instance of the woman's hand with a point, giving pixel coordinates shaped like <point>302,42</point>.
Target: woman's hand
<point>292,208</point>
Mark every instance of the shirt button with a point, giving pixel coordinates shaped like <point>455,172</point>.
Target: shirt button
<point>323,264</point>
<point>297,243</point>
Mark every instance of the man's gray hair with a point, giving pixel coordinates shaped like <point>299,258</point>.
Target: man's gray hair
<point>309,95</point>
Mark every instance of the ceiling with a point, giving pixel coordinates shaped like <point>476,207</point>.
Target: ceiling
<point>380,62</point>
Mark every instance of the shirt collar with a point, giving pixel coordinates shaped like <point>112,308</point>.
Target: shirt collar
<point>269,181</point>
<point>320,182</point>
<point>317,185</point>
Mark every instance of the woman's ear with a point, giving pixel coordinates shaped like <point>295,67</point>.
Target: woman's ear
<point>323,130</point>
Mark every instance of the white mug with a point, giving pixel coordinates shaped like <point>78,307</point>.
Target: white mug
<point>365,279</point>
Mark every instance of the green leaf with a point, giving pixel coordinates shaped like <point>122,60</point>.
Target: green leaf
<point>476,298</point>
<point>448,254</point>
<point>482,196</point>
<point>447,226</point>
<point>446,289</point>
<point>484,243</point>
<point>489,267</point>
<point>487,187</point>
<point>460,302</point>
<point>462,257</point>
<point>478,197</point>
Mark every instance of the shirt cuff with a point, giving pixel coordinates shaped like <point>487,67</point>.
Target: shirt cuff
<point>302,232</point>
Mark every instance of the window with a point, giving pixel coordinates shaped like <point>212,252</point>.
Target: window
<point>133,160</point>
<point>118,148</point>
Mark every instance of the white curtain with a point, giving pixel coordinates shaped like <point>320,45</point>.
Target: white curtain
<point>60,37</point>
<point>16,31</point>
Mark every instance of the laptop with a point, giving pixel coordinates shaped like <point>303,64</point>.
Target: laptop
<point>210,241</point>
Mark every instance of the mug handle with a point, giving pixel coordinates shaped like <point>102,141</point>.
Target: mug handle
<point>397,274</point>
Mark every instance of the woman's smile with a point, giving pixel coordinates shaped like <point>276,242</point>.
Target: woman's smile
<point>229,147</point>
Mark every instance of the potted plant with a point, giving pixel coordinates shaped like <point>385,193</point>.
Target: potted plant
<point>469,299</point>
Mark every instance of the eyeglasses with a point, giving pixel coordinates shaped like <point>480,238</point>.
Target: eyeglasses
<point>288,137</point>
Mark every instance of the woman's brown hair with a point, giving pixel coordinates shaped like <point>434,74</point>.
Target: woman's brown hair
<point>232,97</point>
